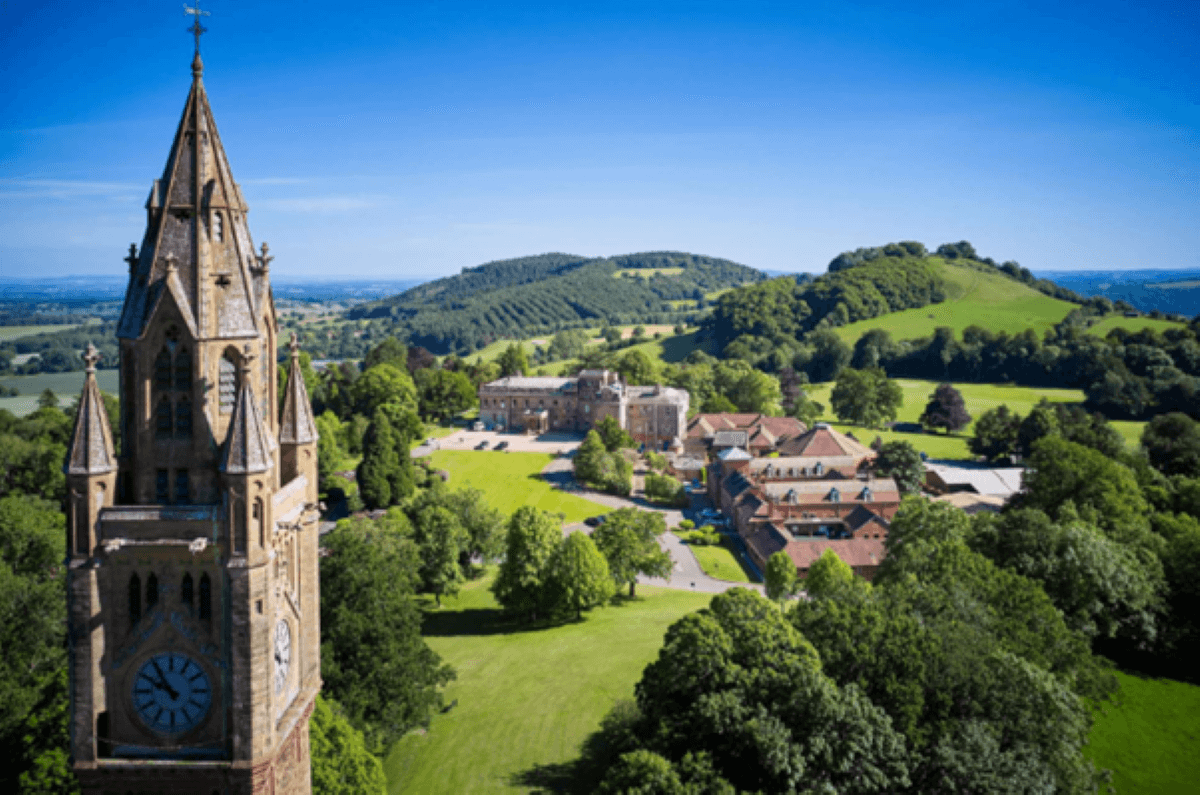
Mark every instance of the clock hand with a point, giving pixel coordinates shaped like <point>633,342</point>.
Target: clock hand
<point>162,682</point>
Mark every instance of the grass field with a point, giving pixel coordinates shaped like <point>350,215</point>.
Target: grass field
<point>510,480</point>
<point>720,562</point>
<point>976,298</point>
<point>65,385</point>
<point>527,699</point>
<point>1111,322</point>
<point>1151,740</point>
<point>16,332</point>
<point>978,397</point>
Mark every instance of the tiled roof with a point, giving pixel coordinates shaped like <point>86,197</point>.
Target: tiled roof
<point>852,551</point>
<point>822,440</point>
<point>735,454</point>
<point>530,382</point>
<point>729,439</point>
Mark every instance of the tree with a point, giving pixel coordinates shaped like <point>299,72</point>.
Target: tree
<point>946,409</point>
<point>828,575</point>
<point>1105,492</point>
<point>1101,587</point>
<point>611,335</point>
<point>391,351</point>
<point>484,525</point>
<point>1042,421</point>
<point>781,577</point>
<point>636,368</point>
<point>901,462</point>
<point>568,344</point>
<point>613,436</point>
<point>418,358</point>
<point>866,397</point>
<point>995,433</point>
<point>381,473</point>
<point>513,361</point>
<point>588,458</point>
<point>383,383</point>
<point>440,539</point>
<point>47,400</point>
<point>628,539</point>
<point>444,393</point>
<point>577,574</point>
<point>373,658</point>
<point>1172,442</point>
<point>520,585</point>
<point>740,666</point>
<point>341,763</point>
<point>666,489</point>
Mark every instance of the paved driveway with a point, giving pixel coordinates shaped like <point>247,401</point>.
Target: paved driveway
<point>517,442</point>
<point>687,576</point>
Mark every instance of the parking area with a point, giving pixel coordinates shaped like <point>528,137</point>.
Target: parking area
<point>557,443</point>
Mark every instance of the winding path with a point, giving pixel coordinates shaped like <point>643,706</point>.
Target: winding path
<point>687,575</point>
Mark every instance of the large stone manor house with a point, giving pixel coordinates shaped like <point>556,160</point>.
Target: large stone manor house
<point>655,416</point>
<point>193,592</point>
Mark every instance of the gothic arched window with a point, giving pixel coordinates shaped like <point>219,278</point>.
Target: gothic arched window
<point>183,370</point>
<point>183,418</point>
<point>258,523</point>
<point>185,592</point>
<point>162,369</point>
<point>218,226</point>
<point>205,597</point>
<point>151,591</point>
<point>135,600</point>
<point>162,418</point>
<point>227,383</point>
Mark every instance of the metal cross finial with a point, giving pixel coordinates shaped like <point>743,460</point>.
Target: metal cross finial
<point>196,29</point>
<point>91,357</point>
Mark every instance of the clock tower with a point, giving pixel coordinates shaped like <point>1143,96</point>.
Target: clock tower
<point>193,593</point>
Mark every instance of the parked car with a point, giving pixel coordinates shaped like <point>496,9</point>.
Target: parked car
<point>482,445</point>
<point>502,446</point>
<point>595,521</point>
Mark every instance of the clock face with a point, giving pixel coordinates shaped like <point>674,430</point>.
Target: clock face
<point>283,654</point>
<point>171,693</point>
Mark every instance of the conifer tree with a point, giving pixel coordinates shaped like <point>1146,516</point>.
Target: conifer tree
<point>380,467</point>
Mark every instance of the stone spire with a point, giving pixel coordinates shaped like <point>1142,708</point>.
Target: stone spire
<point>248,446</point>
<point>91,451</point>
<point>296,425</point>
<point>197,215</point>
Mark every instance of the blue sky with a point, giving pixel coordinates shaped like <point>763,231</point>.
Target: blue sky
<point>408,140</point>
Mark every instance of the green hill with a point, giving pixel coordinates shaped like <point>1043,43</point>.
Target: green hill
<point>536,295</point>
<point>974,296</point>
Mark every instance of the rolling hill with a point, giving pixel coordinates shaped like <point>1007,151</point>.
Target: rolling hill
<point>534,295</point>
<point>973,297</point>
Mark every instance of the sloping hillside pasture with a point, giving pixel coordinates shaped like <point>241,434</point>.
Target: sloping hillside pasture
<point>17,332</point>
<point>510,480</point>
<point>526,698</point>
<point>66,386</point>
<point>978,398</point>
<point>974,298</point>
<point>1150,740</point>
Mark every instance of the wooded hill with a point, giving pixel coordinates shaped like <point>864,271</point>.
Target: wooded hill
<point>535,295</point>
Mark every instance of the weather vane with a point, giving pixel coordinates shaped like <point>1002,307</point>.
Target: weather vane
<point>196,29</point>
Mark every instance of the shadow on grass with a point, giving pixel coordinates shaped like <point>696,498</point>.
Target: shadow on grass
<point>576,777</point>
<point>480,622</point>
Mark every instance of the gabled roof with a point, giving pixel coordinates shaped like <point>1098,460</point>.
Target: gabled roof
<point>248,446</point>
<point>91,451</point>
<point>854,552</point>
<point>729,439</point>
<point>822,441</point>
<point>296,425</point>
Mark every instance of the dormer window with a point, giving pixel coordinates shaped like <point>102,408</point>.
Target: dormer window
<point>866,495</point>
<point>835,495</point>
<point>819,469</point>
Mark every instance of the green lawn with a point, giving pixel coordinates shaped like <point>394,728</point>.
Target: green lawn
<point>720,562</point>
<point>527,699</point>
<point>992,301</point>
<point>66,386</point>
<point>978,397</point>
<point>1111,322</point>
<point>1151,741</point>
<point>510,480</point>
